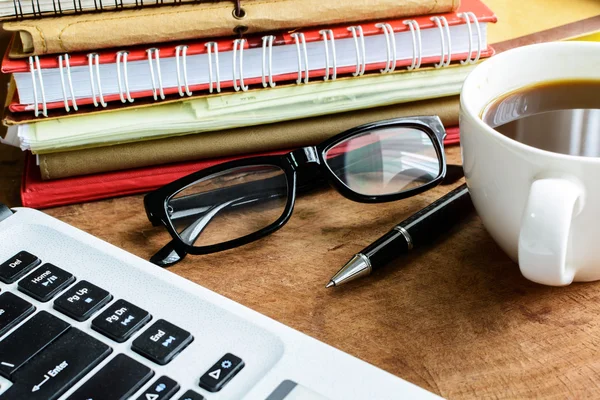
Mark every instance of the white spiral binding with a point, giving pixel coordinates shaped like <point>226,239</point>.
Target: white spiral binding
<point>209,47</point>
<point>239,43</point>
<point>19,11</point>
<point>267,41</point>
<point>123,54</point>
<point>93,58</point>
<point>446,52</point>
<point>415,31</point>
<point>62,81</point>
<point>183,51</point>
<point>361,56</point>
<point>32,68</point>
<point>467,16</point>
<point>299,38</point>
<point>156,52</point>
<point>325,33</point>
<point>390,42</point>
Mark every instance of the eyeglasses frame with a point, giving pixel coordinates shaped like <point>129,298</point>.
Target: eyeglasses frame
<point>157,201</point>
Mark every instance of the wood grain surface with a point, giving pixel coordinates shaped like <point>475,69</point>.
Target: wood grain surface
<point>456,318</point>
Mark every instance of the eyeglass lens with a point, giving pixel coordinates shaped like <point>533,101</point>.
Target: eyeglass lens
<point>385,161</point>
<point>229,204</point>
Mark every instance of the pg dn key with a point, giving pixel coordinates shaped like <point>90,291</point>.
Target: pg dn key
<point>120,320</point>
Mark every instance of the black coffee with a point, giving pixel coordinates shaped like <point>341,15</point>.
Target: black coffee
<point>558,116</point>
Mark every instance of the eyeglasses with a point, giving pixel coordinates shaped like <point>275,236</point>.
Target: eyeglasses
<point>237,202</point>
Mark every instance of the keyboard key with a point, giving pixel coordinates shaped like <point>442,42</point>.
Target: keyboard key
<point>82,300</point>
<point>28,340</point>
<point>121,320</point>
<point>45,282</point>
<point>58,367</point>
<point>17,266</point>
<point>162,342</point>
<point>117,380</point>
<point>219,374</point>
<point>162,389</point>
<point>191,395</point>
<point>13,310</point>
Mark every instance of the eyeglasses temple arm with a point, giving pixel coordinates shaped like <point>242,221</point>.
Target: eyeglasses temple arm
<point>169,255</point>
<point>211,198</point>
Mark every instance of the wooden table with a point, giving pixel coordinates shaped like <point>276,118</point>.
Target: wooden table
<point>456,318</point>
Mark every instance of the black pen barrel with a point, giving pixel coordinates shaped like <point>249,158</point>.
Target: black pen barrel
<point>438,217</point>
<point>386,248</point>
<point>420,228</point>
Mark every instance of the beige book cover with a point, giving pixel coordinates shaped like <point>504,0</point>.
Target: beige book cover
<point>131,27</point>
<point>252,139</point>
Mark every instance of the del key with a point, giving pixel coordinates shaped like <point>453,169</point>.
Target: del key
<point>17,266</point>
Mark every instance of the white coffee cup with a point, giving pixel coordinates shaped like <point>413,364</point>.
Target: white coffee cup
<point>542,208</point>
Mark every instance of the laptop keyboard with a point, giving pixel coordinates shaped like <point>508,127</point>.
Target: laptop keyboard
<point>46,356</point>
<point>83,320</point>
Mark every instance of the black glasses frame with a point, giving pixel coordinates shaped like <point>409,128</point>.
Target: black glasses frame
<point>156,202</point>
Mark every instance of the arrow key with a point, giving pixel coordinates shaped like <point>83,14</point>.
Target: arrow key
<point>221,372</point>
<point>162,389</point>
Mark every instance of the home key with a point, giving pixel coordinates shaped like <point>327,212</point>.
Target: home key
<point>46,281</point>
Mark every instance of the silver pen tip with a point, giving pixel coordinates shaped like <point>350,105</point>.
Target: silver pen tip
<point>358,266</point>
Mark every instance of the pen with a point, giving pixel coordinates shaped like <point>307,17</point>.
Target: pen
<point>418,229</point>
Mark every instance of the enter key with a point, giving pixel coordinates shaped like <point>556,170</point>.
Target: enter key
<point>57,368</point>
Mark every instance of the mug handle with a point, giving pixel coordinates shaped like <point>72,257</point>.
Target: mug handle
<point>545,230</point>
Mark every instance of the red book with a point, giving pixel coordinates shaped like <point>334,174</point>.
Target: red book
<point>117,75</point>
<point>37,193</point>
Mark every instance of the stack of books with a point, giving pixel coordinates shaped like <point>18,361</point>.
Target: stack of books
<point>120,98</point>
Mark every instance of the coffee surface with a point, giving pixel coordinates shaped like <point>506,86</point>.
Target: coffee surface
<point>559,116</point>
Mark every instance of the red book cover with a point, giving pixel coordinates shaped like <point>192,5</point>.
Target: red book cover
<point>225,46</point>
<point>37,193</point>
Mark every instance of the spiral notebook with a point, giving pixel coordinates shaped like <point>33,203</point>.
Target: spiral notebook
<point>196,67</point>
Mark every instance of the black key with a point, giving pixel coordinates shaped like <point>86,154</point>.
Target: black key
<point>219,374</point>
<point>82,300</point>
<point>13,310</point>
<point>117,380</point>
<point>162,342</point>
<point>45,282</point>
<point>17,266</point>
<point>121,320</point>
<point>28,340</point>
<point>191,395</point>
<point>58,367</point>
<point>162,389</point>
